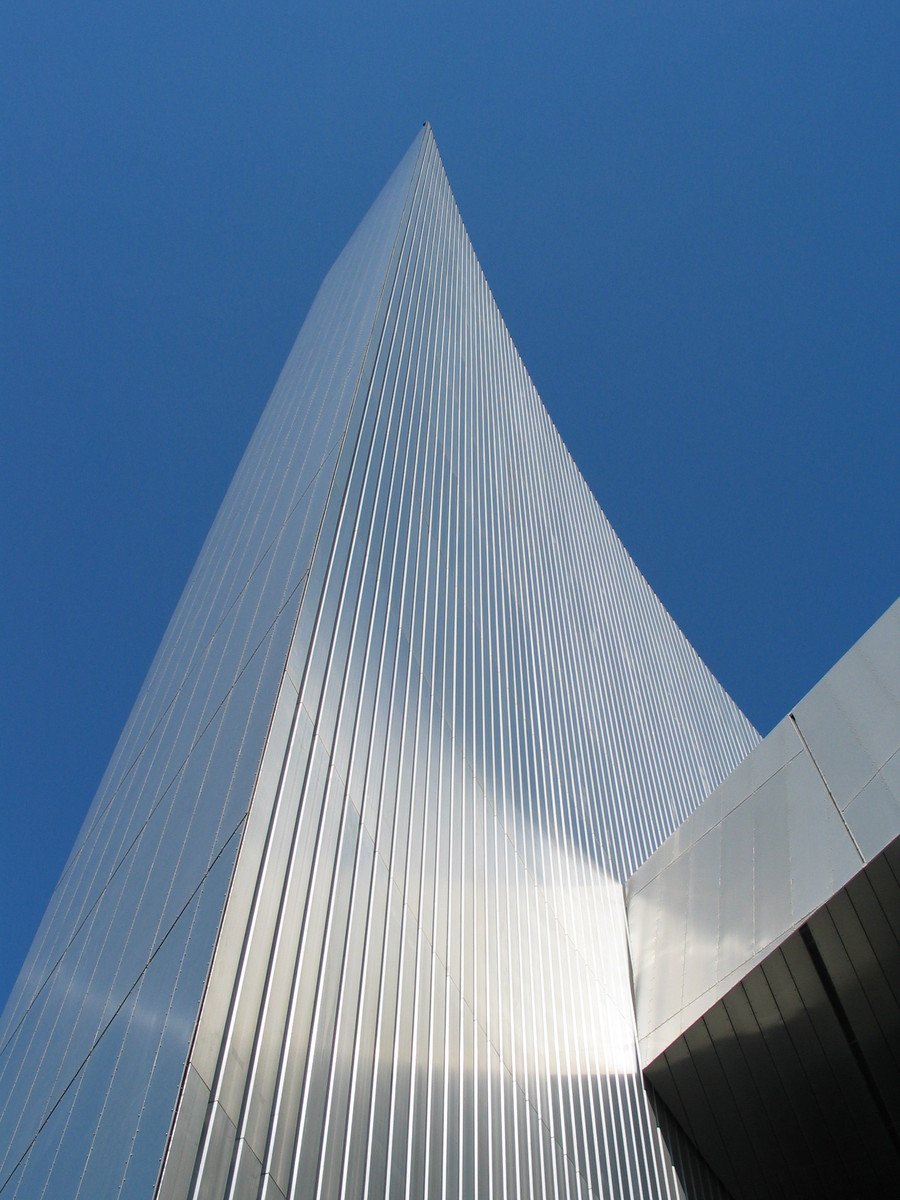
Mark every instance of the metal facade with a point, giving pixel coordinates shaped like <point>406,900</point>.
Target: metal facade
<point>815,802</point>
<point>765,939</point>
<point>790,1083</point>
<point>349,899</point>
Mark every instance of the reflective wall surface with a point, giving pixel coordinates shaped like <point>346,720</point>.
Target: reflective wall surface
<point>94,1037</point>
<point>416,719</point>
<point>421,985</point>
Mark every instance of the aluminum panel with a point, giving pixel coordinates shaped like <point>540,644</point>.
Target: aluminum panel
<point>703,921</point>
<point>788,843</point>
<point>873,816</point>
<point>771,856</point>
<point>788,1084</point>
<point>737,937</point>
<point>851,720</point>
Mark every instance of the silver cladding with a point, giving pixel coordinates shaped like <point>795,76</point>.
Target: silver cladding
<point>475,720</point>
<point>94,1037</point>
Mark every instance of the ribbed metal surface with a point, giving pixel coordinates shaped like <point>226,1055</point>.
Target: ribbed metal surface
<point>463,718</point>
<point>421,984</point>
<point>94,1037</point>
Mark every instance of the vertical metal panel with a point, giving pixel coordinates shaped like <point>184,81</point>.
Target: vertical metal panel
<point>873,816</point>
<point>851,720</point>
<point>703,905</point>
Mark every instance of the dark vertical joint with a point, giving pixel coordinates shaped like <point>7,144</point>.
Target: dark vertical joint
<point>846,1026</point>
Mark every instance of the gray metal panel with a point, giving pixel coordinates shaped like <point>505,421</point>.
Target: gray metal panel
<point>822,855</point>
<point>787,842</point>
<point>737,939</point>
<point>873,816</point>
<point>851,720</point>
<point>789,1083</point>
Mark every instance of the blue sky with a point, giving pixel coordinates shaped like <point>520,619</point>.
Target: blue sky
<point>686,212</point>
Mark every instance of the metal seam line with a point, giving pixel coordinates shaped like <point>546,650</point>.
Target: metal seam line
<point>837,809</point>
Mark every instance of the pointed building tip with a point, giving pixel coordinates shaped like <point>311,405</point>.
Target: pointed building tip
<point>427,134</point>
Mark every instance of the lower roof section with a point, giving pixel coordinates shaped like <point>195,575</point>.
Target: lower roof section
<point>765,940</point>
<point>807,809</point>
<point>790,1084</point>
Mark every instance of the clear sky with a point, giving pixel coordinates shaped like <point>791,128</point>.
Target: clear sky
<point>686,211</point>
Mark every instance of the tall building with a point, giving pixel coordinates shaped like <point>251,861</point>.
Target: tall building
<point>346,916</point>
